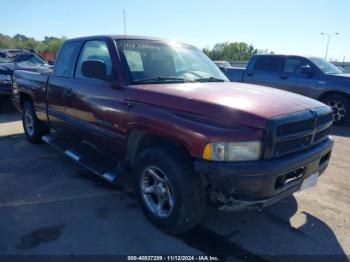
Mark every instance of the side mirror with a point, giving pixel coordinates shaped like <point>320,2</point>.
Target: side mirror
<point>51,63</point>
<point>307,70</point>
<point>94,69</point>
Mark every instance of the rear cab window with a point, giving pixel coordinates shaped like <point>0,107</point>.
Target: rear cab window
<point>66,59</point>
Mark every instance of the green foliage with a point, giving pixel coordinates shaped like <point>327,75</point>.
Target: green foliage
<point>231,51</point>
<point>6,42</point>
<point>49,44</point>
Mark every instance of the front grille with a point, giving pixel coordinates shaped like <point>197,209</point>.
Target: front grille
<point>295,132</point>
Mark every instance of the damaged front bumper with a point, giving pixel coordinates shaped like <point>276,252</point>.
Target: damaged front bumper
<point>257,184</point>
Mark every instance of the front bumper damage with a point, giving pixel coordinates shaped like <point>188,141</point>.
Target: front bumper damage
<point>257,184</point>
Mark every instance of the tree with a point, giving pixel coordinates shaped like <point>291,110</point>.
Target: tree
<point>6,42</point>
<point>49,44</point>
<point>22,41</point>
<point>231,51</point>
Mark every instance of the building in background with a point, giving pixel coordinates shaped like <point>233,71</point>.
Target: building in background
<point>49,56</point>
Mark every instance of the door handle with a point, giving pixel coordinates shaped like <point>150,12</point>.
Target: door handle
<point>250,74</point>
<point>68,91</point>
<point>284,77</point>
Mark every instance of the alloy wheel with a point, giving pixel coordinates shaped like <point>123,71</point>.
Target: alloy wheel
<point>338,108</point>
<point>157,192</point>
<point>29,122</point>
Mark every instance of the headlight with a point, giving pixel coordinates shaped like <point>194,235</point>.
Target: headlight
<point>232,151</point>
<point>5,77</point>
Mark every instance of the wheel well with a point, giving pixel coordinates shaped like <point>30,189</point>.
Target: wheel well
<point>140,139</point>
<point>324,95</point>
<point>24,97</point>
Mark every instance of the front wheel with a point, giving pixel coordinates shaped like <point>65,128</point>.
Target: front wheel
<point>340,106</point>
<point>170,193</point>
<point>33,128</point>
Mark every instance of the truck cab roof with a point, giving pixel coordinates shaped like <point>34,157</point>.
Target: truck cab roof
<point>287,55</point>
<point>123,37</point>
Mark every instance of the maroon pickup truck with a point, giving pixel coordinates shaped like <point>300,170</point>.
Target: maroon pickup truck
<point>165,111</point>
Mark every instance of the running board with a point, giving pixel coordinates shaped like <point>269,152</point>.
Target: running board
<point>91,159</point>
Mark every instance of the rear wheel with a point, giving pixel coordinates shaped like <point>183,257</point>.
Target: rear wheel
<point>170,193</point>
<point>33,128</point>
<point>340,106</point>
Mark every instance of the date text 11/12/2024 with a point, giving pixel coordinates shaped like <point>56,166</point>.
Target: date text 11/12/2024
<point>173,258</point>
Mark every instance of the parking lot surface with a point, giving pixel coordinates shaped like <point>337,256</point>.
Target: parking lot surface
<point>51,205</point>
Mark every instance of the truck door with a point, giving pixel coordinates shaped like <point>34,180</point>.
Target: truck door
<point>293,79</point>
<point>265,71</point>
<point>93,106</point>
<point>59,83</point>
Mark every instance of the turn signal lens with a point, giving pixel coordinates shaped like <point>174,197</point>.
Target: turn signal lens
<point>207,152</point>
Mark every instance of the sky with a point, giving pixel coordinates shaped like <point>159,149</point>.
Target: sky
<point>281,26</point>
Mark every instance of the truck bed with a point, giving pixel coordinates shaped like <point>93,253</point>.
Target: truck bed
<point>234,74</point>
<point>32,78</point>
<point>32,83</point>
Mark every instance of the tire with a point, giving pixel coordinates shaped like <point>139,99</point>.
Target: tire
<point>340,105</point>
<point>187,206</point>
<point>33,128</point>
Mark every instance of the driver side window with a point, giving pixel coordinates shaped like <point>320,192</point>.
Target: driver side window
<point>94,50</point>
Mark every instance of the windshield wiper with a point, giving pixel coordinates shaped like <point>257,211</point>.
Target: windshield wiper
<point>210,79</point>
<point>163,79</point>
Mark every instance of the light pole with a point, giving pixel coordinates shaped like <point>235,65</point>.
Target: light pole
<point>328,39</point>
<point>124,21</point>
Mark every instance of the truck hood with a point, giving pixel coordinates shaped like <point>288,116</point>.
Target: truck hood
<point>345,77</point>
<point>250,105</point>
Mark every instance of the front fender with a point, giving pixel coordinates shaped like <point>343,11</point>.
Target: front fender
<point>190,131</point>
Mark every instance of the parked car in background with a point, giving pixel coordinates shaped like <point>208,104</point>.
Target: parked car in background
<point>222,64</point>
<point>14,59</point>
<point>167,112</point>
<point>309,76</point>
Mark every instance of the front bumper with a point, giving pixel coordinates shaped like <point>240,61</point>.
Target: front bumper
<point>256,184</point>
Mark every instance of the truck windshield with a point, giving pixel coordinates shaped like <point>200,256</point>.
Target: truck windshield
<point>30,59</point>
<point>325,66</point>
<point>150,61</point>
